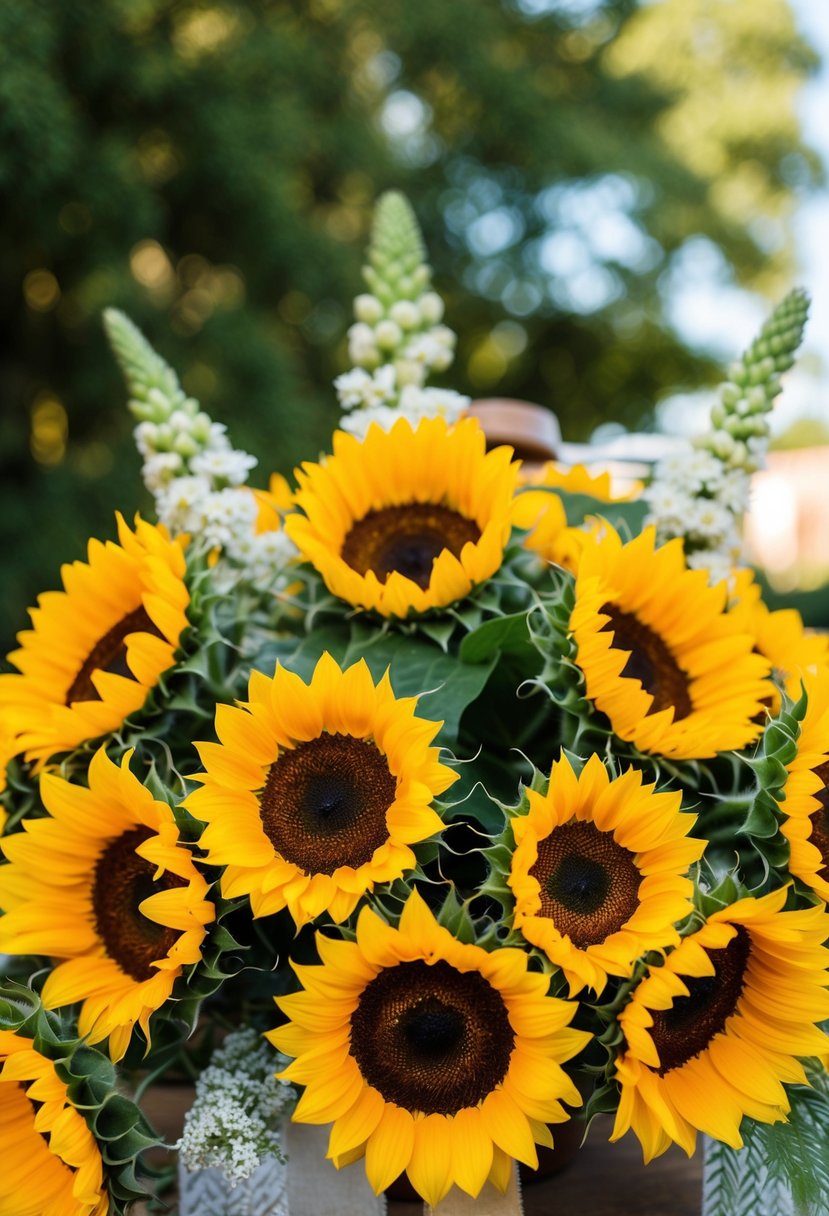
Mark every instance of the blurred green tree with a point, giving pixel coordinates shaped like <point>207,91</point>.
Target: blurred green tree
<point>210,167</point>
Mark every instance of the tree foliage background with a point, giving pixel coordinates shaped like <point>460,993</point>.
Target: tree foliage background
<point>211,168</point>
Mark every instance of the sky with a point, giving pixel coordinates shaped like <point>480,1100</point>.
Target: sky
<point>726,321</point>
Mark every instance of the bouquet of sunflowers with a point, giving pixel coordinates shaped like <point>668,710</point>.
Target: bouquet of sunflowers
<point>475,797</point>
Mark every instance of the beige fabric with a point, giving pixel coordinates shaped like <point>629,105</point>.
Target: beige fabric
<point>490,1202</point>
<point>315,1188</point>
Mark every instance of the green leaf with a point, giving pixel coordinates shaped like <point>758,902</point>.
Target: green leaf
<point>627,517</point>
<point>504,633</point>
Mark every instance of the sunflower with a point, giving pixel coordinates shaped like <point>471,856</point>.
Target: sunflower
<point>315,791</point>
<point>98,647</point>
<point>711,1036</point>
<point>778,636</point>
<point>429,1056</point>
<point>51,1163</point>
<point>577,479</point>
<point>406,520</point>
<point>671,670</point>
<point>598,872</point>
<point>273,503</point>
<point>541,512</point>
<point>104,885</point>
<point>806,806</point>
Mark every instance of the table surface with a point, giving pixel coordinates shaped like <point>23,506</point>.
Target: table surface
<point>603,1180</point>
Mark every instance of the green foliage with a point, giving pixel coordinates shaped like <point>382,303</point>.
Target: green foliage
<point>211,170</point>
<point>796,1152</point>
<point>783,1168</point>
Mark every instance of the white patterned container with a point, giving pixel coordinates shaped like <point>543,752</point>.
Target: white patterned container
<point>208,1193</point>
<point>737,1183</point>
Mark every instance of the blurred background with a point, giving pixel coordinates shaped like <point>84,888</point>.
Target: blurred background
<point>611,193</point>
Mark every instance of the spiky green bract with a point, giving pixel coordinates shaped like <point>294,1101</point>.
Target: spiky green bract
<point>743,827</point>
<point>119,1127</point>
<point>739,427</point>
<point>153,386</point>
<point>396,267</point>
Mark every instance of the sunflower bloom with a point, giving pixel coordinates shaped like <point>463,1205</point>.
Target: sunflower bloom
<point>316,791</point>
<point>712,1035</point>
<point>104,885</point>
<point>51,1163</point>
<point>97,648</point>
<point>541,512</point>
<point>407,520</point>
<point>273,503</point>
<point>428,1055</point>
<point>806,806</point>
<point>672,671</point>
<point>599,871</point>
<point>780,637</point>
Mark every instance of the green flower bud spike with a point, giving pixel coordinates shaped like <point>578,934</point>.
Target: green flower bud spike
<point>155,392</point>
<point>397,268</point>
<point>747,396</point>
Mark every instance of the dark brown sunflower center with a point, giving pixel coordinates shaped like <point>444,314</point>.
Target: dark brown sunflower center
<point>406,539</point>
<point>109,654</point>
<point>819,836</point>
<point>686,1029</point>
<point>122,881</point>
<point>589,883</point>
<point>650,662</point>
<point>430,1038</point>
<point>324,803</point>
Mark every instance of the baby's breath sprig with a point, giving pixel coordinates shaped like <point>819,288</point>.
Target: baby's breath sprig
<point>239,1107</point>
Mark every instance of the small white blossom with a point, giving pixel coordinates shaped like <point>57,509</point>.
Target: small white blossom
<point>424,349</point>
<point>694,471</point>
<point>388,334</point>
<point>669,505</point>
<point>229,466</point>
<point>367,308</point>
<point>431,307</point>
<point>160,468</point>
<point>352,387</point>
<point>706,519</point>
<point>362,348</point>
<point>180,504</point>
<point>181,420</point>
<point>735,491</point>
<point>227,515</point>
<point>239,1106</point>
<point>268,560</point>
<point>146,438</point>
<point>409,372</point>
<point>358,388</point>
<point>406,314</point>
